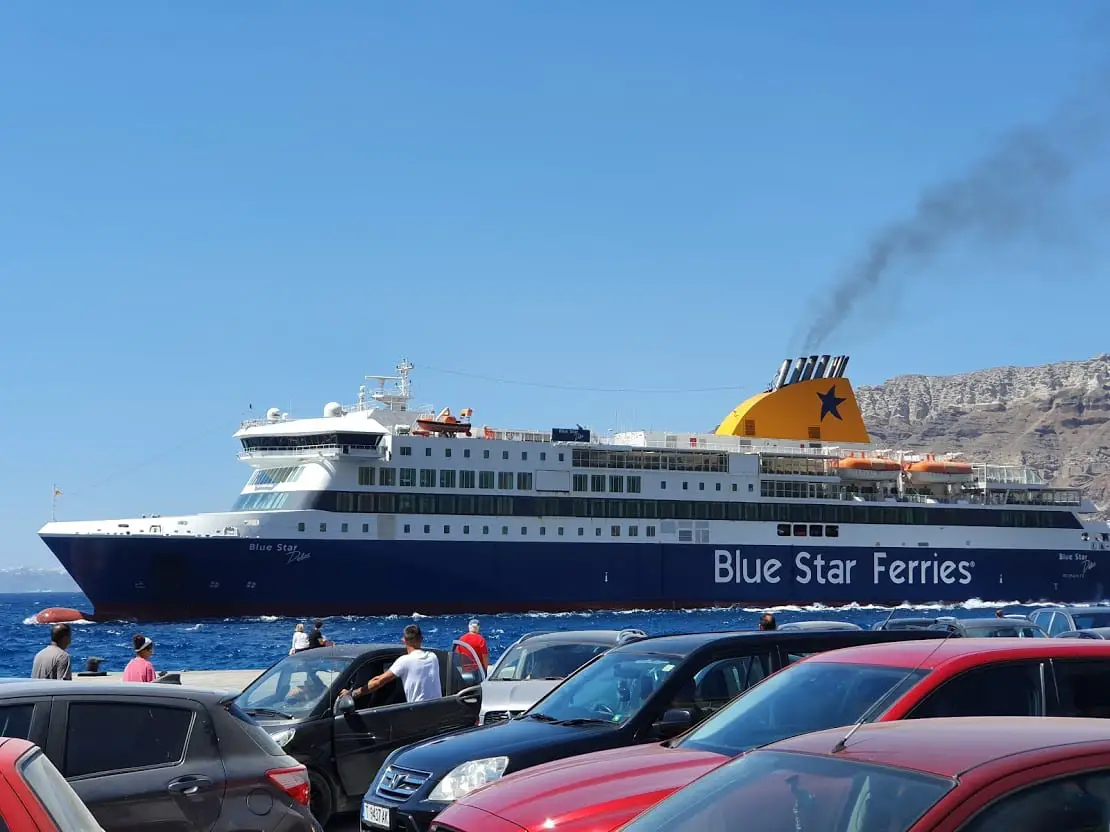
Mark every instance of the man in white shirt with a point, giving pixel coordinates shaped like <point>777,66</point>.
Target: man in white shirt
<point>418,671</point>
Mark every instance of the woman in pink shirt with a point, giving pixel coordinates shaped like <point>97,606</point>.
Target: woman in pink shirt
<point>139,669</point>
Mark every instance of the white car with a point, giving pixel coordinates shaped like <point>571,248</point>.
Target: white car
<point>537,662</point>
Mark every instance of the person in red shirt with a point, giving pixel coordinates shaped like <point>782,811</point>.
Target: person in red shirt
<point>478,643</point>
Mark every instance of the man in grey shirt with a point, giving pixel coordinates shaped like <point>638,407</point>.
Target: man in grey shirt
<point>52,661</point>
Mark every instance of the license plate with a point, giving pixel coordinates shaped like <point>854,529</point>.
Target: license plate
<point>376,816</point>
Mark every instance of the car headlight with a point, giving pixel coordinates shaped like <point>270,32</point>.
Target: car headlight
<point>469,776</point>
<point>282,738</point>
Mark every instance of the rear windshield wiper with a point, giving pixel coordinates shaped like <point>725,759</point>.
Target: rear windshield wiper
<point>542,717</point>
<point>267,712</point>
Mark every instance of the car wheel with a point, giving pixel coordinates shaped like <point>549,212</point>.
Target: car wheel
<point>321,801</point>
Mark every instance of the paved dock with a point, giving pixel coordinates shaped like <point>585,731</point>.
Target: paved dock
<point>233,680</point>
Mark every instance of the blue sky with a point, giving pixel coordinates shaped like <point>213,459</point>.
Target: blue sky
<point>207,205</point>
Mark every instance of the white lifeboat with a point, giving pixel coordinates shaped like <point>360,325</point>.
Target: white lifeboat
<point>870,468</point>
<point>931,471</point>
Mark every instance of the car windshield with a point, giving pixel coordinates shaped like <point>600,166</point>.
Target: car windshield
<point>1089,620</point>
<point>808,696</point>
<point>1004,631</point>
<point>544,661</point>
<point>775,791</point>
<point>612,689</point>
<point>293,687</point>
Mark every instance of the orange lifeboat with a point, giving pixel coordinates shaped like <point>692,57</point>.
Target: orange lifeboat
<point>445,424</point>
<point>866,468</point>
<point>59,615</point>
<point>930,471</point>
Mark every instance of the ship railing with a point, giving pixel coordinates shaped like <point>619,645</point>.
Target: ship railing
<point>1007,475</point>
<point>364,451</point>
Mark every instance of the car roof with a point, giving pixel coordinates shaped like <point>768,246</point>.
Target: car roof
<point>348,651</point>
<point>952,746</point>
<point>54,687</point>
<point>931,654</point>
<point>11,748</point>
<point>577,636</point>
<point>684,644</point>
<point>992,622</point>
<point>1074,610</point>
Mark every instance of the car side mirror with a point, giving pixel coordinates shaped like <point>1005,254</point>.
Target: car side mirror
<point>673,722</point>
<point>345,704</point>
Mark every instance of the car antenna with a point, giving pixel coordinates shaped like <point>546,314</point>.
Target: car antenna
<point>887,619</point>
<point>840,744</point>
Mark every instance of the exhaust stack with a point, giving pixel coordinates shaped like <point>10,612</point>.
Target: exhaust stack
<point>780,376</point>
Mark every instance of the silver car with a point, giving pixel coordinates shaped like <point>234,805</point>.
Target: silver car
<point>537,662</point>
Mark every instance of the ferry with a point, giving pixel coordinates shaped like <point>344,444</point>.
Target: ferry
<point>385,508</point>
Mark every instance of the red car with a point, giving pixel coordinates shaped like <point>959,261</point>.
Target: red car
<point>879,682</point>
<point>34,797</point>
<point>992,774</point>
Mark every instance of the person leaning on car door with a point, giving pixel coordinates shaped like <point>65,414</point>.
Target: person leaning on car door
<point>418,671</point>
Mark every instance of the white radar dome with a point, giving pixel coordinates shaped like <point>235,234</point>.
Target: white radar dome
<point>273,414</point>
<point>333,409</point>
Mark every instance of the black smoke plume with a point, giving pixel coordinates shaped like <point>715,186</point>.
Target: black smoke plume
<point>1006,195</point>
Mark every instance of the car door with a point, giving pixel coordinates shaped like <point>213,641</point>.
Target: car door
<point>139,762</point>
<point>25,718</point>
<point>1000,689</point>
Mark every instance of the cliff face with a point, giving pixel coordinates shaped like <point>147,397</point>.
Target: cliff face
<point>1054,418</point>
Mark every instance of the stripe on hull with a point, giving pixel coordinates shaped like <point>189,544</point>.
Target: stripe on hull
<point>163,578</point>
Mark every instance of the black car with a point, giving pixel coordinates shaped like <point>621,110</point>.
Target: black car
<point>1056,620</point>
<point>297,701</point>
<point>990,627</point>
<point>162,757</point>
<point>649,690</point>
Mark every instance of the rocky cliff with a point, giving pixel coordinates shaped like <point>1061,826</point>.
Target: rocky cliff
<point>1054,418</point>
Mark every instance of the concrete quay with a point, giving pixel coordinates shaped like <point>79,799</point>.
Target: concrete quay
<point>231,680</point>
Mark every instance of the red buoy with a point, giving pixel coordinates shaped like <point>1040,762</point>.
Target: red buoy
<point>58,615</point>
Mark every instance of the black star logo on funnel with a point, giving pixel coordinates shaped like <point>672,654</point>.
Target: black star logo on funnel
<point>830,403</point>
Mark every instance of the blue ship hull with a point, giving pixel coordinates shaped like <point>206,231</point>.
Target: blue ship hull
<point>158,578</point>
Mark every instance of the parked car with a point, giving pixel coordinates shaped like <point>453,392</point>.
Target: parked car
<point>1056,620</point>
<point>537,662</point>
<point>792,626</point>
<point>904,624</point>
<point>160,756</point>
<point>990,627</point>
<point>877,682</point>
<point>343,743</point>
<point>1093,632</point>
<point>648,690</point>
<point>934,775</point>
<point>34,797</point>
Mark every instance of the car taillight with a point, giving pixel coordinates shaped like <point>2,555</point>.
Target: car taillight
<point>293,781</point>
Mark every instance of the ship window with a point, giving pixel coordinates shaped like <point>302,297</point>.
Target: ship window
<point>784,529</point>
<point>581,531</point>
<point>560,532</point>
<point>466,452</point>
<point>799,530</point>
<point>504,530</point>
<point>323,527</point>
<point>406,450</point>
<point>426,503</point>
<point>685,485</point>
<point>300,527</point>
<point>815,531</point>
<point>616,484</point>
<point>466,529</point>
<point>427,529</point>
<point>466,479</point>
<point>447,452</point>
<point>633,482</point>
<point>524,530</point>
<point>505,480</point>
<point>408,528</point>
<point>446,504</point>
<point>365,528</point>
<point>387,476</point>
<point>560,457</point>
<point>701,486</point>
<point>543,456</point>
<point>504,454</point>
<point>447,530</point>
<point>427,452</point>
<point>633,531</point>
<point>597,532</point>
<point>485,529</point>
<point>580,482</point>
<point>614,531</point>
<point>524,481</point>
<point>663,485</point>
<point>447,478</point>
<point>485,479</point>
<point>543,531</point>
<point>408,477</point>
<point>342,527</point>
<point>485,454</point>
<point>524,454</point>
<point>427,477</point>
<point>651,531</point>
<point>597,482</point>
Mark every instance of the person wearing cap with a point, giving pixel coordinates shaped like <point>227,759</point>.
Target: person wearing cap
<point>140,669</point>
<point>478,643</point>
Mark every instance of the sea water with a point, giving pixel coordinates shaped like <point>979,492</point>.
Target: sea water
<point>248,643</point>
